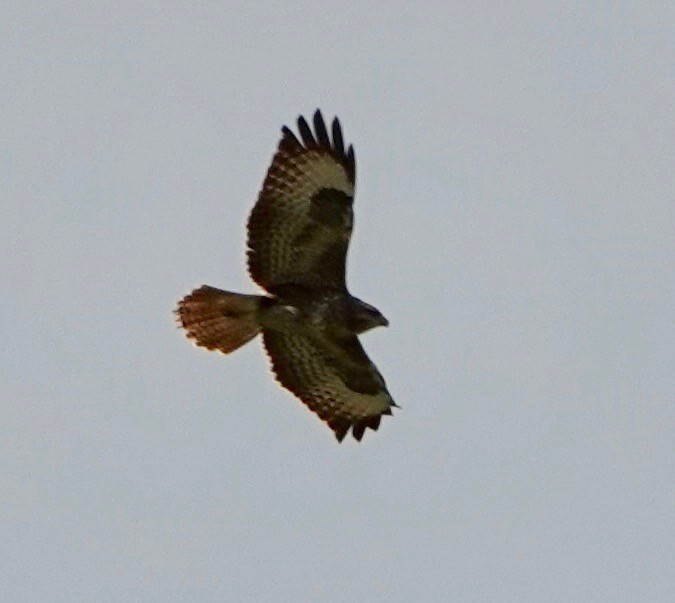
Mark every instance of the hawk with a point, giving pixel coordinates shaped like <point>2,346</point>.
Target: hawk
<point>298,235</point>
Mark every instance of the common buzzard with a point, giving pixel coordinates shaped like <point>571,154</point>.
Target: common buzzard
<point>298,234</point>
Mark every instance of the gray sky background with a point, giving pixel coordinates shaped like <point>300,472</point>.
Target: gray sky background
<point>514,221</point>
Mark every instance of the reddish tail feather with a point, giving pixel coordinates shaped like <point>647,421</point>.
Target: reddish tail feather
<point>217,319</point>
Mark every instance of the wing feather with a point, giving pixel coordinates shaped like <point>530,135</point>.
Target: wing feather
<point>320,129</point>
<point>306,133</point>
<point>289,141</point>
<point>338,142</point>
<point>335,379</point>
<point>300,227</point>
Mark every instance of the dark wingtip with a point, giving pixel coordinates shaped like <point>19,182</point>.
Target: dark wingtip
<point>340,427</point>
<point>321,138</point>
<point>289,140</point>
<point>358,430</point>
<point>306,132</point>
<point>351,160</point>
<point>338,142</point>
<point>320,129</point>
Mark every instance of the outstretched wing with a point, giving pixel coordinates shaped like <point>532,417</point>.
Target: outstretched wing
<point>299,229</point>
<point>334,378</point>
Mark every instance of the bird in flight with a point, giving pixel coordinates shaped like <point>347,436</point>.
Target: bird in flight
<point>298,235</point>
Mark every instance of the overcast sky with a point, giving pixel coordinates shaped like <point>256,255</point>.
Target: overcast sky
<point>514,222</point>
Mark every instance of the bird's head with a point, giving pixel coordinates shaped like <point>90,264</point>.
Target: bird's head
<point>367,317</point>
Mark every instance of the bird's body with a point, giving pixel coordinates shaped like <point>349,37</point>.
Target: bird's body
<point>318,313</point>
<point>298,235</point>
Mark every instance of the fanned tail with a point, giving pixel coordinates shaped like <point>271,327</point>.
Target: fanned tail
<point>219,320</point>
